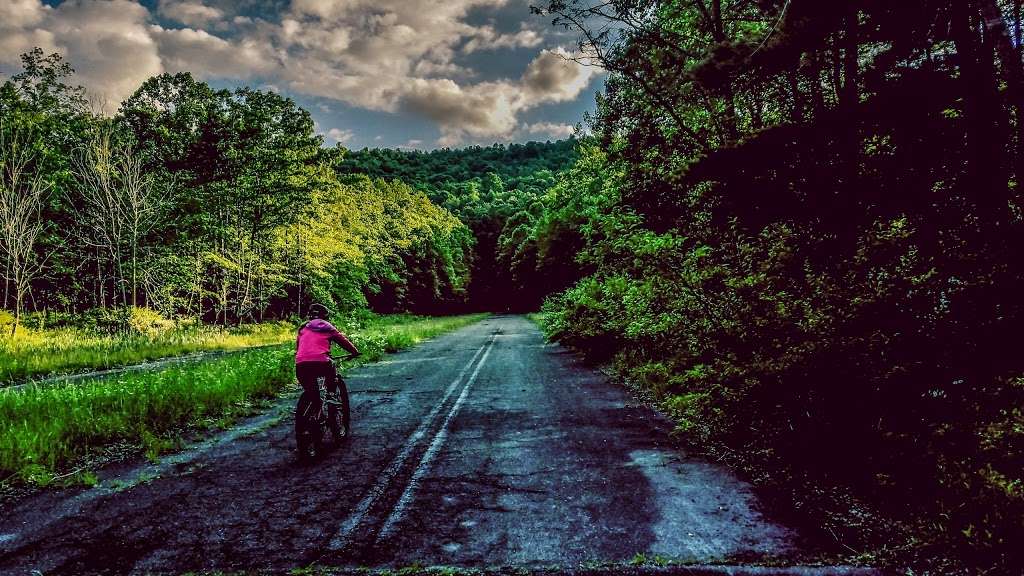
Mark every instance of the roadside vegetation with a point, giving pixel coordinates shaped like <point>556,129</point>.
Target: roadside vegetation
<point>44,429</point>
<point>798,226</point>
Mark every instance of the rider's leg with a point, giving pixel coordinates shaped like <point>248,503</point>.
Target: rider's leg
<point>332,379</point>
<point>329,375</point>
<point>307,373</point>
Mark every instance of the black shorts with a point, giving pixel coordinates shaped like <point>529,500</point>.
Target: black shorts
<point>308,372</point>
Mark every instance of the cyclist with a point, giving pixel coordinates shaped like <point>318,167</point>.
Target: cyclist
<point>312,356</point>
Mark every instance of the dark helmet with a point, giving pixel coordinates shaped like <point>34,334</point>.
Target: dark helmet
<point>319,311</point>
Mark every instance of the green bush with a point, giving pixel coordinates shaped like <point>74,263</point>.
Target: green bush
<point>147,321</point>
<point>6,323</point>
<point>848,373</point>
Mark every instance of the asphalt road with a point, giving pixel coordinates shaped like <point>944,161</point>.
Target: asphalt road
<point>485,447</point>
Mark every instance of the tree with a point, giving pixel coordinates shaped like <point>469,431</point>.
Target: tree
<point>42,83</point>
<point>23,192</point>
<point>119,203</point>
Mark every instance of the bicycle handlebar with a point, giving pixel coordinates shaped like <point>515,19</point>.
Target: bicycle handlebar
<point>346,358</point>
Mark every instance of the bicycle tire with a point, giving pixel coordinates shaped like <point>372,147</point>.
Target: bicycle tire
<point>304,436</point>
<point>319,430</point>
<point>339,416</point>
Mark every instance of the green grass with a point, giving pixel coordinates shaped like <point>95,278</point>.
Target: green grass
<point>36,353</point>
<point>43,429</point>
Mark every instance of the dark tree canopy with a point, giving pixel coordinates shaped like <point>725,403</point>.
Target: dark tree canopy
<point>806,243</point>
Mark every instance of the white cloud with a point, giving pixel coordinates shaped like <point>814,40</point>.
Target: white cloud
<point>382,55</point>
<point>486,38</point>
<point>189,12</point>
<point>490,109</point>
<point>13,44</point>
<point>339,136</point>
<point>206,55</point>
<point>480,110</point>
<point>108,43</point>
<point>553,129</point>
<point>554,77</point>
<point>21,13</point>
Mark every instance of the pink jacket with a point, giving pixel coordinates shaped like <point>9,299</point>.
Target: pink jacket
<point>314,342</point>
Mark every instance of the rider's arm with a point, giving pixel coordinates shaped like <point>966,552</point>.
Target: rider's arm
<point>344,342</point>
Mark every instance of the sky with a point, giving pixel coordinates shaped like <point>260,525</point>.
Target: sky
<point>373,73</point>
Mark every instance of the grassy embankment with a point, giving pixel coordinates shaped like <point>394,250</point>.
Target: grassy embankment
<point>41,352</point>
<point>45,429</point>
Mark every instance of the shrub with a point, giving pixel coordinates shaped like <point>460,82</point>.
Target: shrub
<point>6,323</point>
<point>147,321</point>
<point>848,372</point>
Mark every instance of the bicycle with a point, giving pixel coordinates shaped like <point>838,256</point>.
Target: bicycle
<point>334,417</point>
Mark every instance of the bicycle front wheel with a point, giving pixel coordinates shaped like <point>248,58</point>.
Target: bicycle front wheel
<point>339,415</point>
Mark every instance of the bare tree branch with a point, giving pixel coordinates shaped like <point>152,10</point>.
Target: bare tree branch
<point>22,196</point>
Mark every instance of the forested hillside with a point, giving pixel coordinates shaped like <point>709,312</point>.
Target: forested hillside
<point>499,192</point>
<point>430,171</point>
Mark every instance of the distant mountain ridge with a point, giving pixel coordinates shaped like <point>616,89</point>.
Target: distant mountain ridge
<point>428,171</point>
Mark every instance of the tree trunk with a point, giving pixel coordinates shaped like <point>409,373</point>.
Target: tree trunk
<point>997,37</point>
<point>837,71</point>
<point>846,217</point>
<point>1017,32</point>
<point>798,99</point>
<point>817,93</point>
<point>850,97</point>
<point>985,143</point>
<point>729,92</point>
<point>32,297</point>
<point>17,309</point>
<point>135,264</point>
<point>298,250</point>
<point>7,283</point>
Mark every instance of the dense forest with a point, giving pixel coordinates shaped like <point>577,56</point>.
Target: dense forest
<point>224,205</point>
<point>499,192</point>
<point>215,204</point>
<point>799,229</point>
<point>796,227</point>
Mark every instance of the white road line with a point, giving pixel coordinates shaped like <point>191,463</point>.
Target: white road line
<point>428,456</point>
<point>341,538</point>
